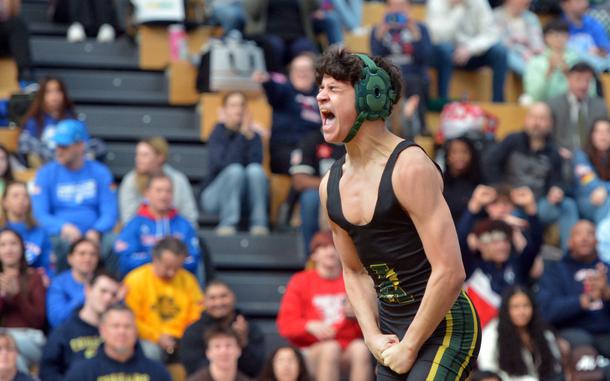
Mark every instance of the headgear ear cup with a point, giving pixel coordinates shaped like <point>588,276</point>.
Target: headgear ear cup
<point>374,95</point>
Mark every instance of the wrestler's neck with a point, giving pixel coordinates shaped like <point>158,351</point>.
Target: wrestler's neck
<point>372,143</point>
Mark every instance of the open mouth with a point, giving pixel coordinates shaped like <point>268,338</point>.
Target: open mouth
<point>328,117</point>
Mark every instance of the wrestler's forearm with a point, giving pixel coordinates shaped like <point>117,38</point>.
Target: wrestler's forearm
<point>443,288</point>
<point>361,293</point>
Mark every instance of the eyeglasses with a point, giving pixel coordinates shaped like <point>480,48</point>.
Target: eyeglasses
<point>493,236</point>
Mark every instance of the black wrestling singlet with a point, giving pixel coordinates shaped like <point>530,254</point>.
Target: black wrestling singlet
<point>390,249</point>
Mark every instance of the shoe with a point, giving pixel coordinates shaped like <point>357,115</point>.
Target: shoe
<point>76,33</point>
<point>105,33</point>
<point>259,231</point>
<point>225,231</point>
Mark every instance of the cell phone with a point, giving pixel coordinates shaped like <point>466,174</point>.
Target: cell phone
<point>396,19</point>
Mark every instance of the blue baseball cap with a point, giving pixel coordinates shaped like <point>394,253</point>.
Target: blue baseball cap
<point>70,131</point>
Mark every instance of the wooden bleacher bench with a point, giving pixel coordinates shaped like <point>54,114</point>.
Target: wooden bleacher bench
<point>8,77</point>
<point>182,83</point>
<point>154,44</point>
<point>9,138</point>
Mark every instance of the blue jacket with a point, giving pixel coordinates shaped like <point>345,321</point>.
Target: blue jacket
<point>37,245</point>
<point>22,377</point>
<point>294,113</point>
<point>85,197</point>
<point>226,147</point>
<point>413,57</point>
<point>585,176</point>
<point>137,239</point>
<point>589,35</point>
<point>72,341</point>
<point>103,367</point>
<point>64,296</point>
<point>559,297</point>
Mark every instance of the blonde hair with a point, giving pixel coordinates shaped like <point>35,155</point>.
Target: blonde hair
<point>161,147</point>
<point>30,222</point>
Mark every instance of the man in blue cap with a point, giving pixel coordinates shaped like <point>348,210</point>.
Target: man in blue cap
<point>74,197</point>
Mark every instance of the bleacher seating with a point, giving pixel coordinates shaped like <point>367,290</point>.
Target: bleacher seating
<point>8,79</point>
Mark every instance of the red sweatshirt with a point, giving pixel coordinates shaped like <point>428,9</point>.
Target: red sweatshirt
<point>310,297</point>
<point>25,310</point>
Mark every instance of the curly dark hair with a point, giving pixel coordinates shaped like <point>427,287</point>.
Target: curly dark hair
<point>345,66</point>
<point>511,360</point>
<point>267,374</point>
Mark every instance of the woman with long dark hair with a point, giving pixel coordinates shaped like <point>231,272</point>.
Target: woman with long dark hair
<point>285,363</point>
<point>22,299</point>
<point>519,345</point>
<point>51,105</point>
<point>592,172</point>
<point>462,174</point>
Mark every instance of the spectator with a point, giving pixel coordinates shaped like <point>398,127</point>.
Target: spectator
<point>223,351</point>
<point>220,311</point>
<point>575,110</point>
<point>326,330</point>
<point>8,360</point>
<point>546,75</point>
<point>498,203</point>
<point>21,300</point>
<point>519,345</point>
<point>119,356</point>
<point>592,173</point>
<point>406,43</point>
<point>295,109</point>
<point>574,293</point>
<point>285,363</point>
<point>335,15</point>
<point>6,169</point>
<point>287,29</point>
<point>529,158</point>
<point>74,197</point>
<point>494,263</point>
<point>77,338</point>
<point>151,158</point>
<point>464,35</point>
<point>164,297</point>
<point>310,162</point>
<point>66,292</point>
<point>51,105</point>
<point>587,36</point>
<point>236,176</point>
<point>85,18</point>
<point>462,174</point>
<point>15,37</point>
<point>156,219</point>
<point>16,214</point>
<point>229,14</point>
<point>521,33</point>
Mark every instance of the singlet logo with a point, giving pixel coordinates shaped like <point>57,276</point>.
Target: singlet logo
<point>389,286</point>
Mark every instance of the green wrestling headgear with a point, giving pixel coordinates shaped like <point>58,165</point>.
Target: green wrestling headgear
<point>374,95</point>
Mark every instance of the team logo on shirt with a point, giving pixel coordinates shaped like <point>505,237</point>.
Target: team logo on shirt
<point>388,285</point>
<point>86,344</point>
<point>166,307</point>
<point>124,377</point>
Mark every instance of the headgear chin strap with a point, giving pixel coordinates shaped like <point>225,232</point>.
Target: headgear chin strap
<point>374,95</point>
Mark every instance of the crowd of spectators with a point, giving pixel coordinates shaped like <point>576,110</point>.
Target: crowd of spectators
<point>73,247</point>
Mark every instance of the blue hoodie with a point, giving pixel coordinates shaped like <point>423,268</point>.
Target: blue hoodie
<point>559,297</point>
<point>102,367</point>
<point>73,341</point>
<point>64,295</point>
<point>37,245</point>
<point>137,239</point>
<point>85,197</point>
